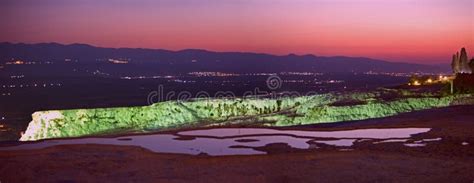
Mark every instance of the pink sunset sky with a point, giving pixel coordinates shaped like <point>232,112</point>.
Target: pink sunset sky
<point>420,31</point>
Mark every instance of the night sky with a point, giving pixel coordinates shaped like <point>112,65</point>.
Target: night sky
<point>421,31</point>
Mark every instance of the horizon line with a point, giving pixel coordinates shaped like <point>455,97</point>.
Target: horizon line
<point>214,51</point>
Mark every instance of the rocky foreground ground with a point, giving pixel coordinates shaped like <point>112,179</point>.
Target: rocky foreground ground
<point>448,160</point>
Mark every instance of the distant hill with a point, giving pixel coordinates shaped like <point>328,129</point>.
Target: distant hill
<point>159,60</point>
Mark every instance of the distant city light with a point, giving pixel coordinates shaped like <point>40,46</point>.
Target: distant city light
<point>117,61</point>
<point>416,83</point>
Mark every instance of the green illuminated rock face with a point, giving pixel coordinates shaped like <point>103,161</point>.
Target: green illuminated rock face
<point>272,112</point>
